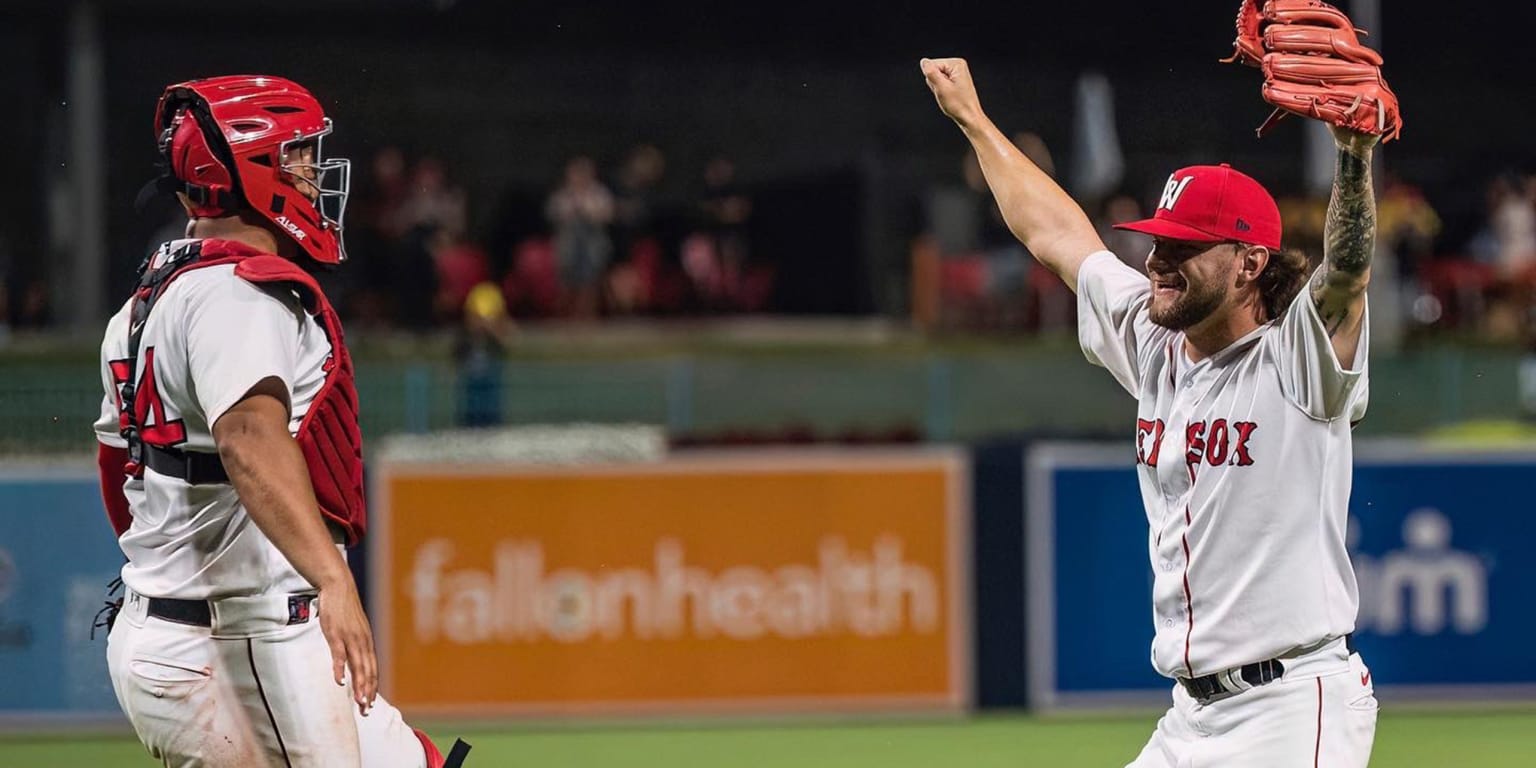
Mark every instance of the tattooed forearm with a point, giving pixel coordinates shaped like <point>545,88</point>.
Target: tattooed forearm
<point>1349,236</point>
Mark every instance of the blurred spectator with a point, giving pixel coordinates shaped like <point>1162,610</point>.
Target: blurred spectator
<point>380,209</point>
<point>970,271</point>
<point>636,196</point>
<point>581,210</point>
<point>647,282</point>
<point>533,283</point>
<point>1303,218</point>
<point>1406,227</point>
<point>643,279</point>
<point>1506,244</point>
<point>1511,230</point>
<point>431,201</point>
<point>35,311</point>
<point>412,279</point>
<point>460,266</point>
<point>405,230</point>
<point>715,259</point>
<point>479,353</point>
<point>1131,247</point>
<point>375,238</point>
<point>1406,223</point>
<point>964,217</point>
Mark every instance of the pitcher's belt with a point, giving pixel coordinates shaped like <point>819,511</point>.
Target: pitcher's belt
<point>1251,676</point>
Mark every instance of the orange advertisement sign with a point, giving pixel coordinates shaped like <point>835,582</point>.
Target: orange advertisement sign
<point>755,582</point>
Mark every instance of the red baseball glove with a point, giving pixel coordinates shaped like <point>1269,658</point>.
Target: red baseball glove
<point>1315,66</point>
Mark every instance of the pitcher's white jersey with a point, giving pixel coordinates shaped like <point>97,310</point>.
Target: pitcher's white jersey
<point>1244,460</point>
<point>209,338</point>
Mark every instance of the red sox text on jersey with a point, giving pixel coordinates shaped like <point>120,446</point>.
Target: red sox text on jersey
<point>1222,442</point>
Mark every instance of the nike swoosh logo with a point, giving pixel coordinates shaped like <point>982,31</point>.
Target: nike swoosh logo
<point>1365,678</point>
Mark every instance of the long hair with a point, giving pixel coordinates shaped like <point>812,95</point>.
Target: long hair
<point>1283,277</point>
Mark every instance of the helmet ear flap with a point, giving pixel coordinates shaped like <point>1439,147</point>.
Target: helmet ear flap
<point>199,161</point>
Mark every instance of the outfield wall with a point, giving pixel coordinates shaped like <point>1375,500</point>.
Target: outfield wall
<point>57,554</point>
<point>1440,542</point>
<point>802,581</point>
<point>745,581</point>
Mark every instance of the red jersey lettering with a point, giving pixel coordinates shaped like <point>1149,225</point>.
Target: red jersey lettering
<point>1216,443</point>
<point>1194,437</point>
<point>146,403</point>
<point>1245,430</point>
<point>1148,432</point>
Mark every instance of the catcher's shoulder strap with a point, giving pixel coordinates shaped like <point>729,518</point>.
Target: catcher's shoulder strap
<point>155,276</point>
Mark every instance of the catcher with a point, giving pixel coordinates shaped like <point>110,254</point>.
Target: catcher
<point>1248,377</point>
<point>231,460</point>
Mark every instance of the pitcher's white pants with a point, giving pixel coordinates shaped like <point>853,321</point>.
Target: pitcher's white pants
<point>252,690</point>
<point>1321,713</point>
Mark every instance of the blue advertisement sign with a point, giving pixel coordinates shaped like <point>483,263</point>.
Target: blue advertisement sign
<point>1440,542</point>
<point>57,554</point>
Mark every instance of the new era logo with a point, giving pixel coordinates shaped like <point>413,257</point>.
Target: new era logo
<point>1242,226</point>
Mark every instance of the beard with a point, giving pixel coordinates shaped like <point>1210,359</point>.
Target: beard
<point>1193,304</point>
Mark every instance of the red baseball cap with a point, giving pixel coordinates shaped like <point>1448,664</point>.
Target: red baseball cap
<point>1213,204</point>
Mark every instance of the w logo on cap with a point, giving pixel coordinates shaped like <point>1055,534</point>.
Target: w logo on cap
<point>1172,190</point>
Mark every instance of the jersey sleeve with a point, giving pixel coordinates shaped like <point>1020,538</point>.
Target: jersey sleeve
<point>113,349</point>
<point>112,449</point>
<point>106,426</point>
<point>1310,373</point>
<point>1113,325</point>
<point>237,334</point>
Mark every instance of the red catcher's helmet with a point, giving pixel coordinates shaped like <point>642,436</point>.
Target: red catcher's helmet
<point>224,141</point>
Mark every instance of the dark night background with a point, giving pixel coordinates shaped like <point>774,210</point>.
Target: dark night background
<point>821,104</point>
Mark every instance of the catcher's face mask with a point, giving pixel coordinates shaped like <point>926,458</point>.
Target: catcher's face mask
<point>326,182</point>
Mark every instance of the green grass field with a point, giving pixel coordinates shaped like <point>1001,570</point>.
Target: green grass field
<point>1492,739</point>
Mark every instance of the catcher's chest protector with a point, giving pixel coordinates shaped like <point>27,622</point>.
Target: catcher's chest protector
<point>329,435</point>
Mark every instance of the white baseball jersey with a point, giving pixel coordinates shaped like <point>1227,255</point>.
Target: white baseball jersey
<point>1244,460</point>
<point>209,338</point>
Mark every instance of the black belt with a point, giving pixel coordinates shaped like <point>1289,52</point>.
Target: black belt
<point>194,612</point>
<point>199,613</point>
<point>195,467</point>
<point>1256,674</point>
<point>1213,685</point>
